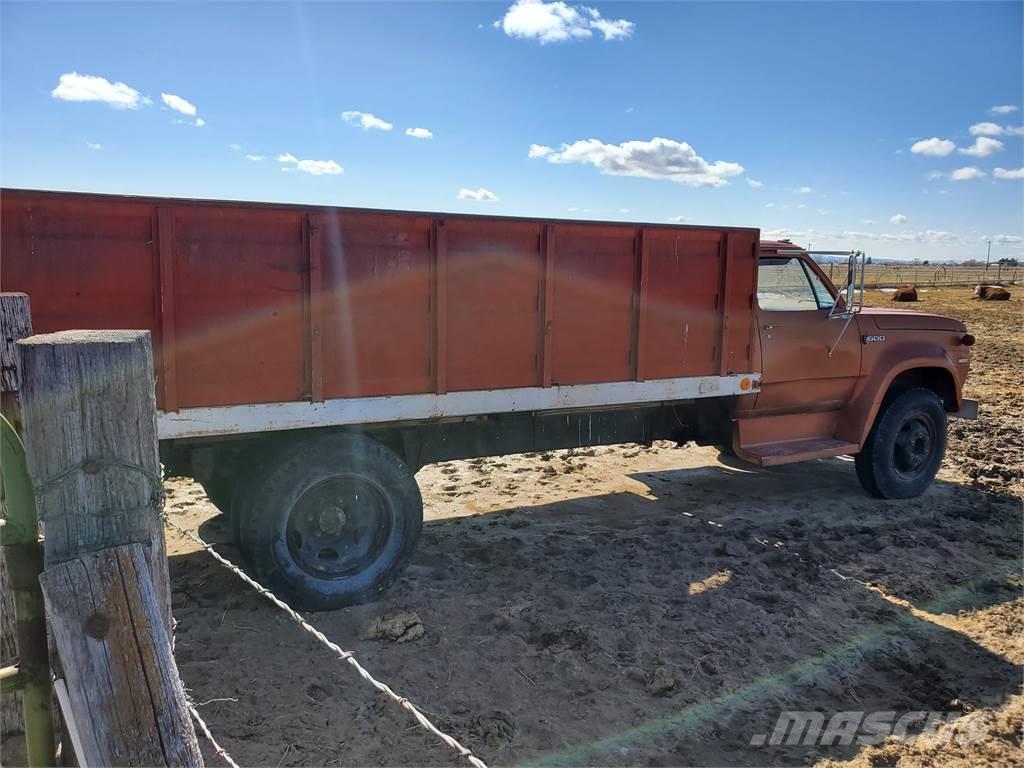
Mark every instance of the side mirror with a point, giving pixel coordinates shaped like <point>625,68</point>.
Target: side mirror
<point>850,286</point>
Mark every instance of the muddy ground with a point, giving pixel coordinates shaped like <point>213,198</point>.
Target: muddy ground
<point>649,606</point>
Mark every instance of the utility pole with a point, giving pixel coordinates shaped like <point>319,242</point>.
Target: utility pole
<point>988,256</point>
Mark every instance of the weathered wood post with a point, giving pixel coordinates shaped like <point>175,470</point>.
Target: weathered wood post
<point>90,438</point>
<point>14,317</point>
<point>22,619</point>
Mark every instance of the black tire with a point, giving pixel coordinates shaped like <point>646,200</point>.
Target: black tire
<point>332,522</point>
<point>220,490</point>
<point>905,446</point>
<point>247,487</point>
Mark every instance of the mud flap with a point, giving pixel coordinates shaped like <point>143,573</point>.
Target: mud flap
<point>968,410</point>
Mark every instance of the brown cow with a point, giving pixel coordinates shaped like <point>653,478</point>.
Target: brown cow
<point>906,293</point>
<point>991,293</point>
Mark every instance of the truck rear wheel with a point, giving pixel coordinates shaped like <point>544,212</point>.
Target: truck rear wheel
<point>220,489</point>
<point>333,522</point>
<point>905,446</point>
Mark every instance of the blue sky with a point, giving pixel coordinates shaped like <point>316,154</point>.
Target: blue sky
<point>853,119</point>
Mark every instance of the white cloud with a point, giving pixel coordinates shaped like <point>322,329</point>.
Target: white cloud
<point>1008,173</point>
<point>927,236</point>
<point>1003,109</point>
<point>655,159</point>
<point>320,167</point>
<point>899,218</point>
<point>824,212</point>
<point>986,129</point>
<point>75,87</point>
<point>556,22</point>
<point>480,194</point>
<point>236,147</point>
<point>198,122</point>
<point>93,145</point>
<point>935,175</point>
<point>313,167</point>
<point>754,183</point>
<point>419,133</point>
<point>937,236</point>
<point>933,147</point>
<point>678,219</point>
<point>1014,130</point>
<point>612,29</point>
<point>867,221</point>
<point>966,174</point>
<point>178,104</point>
<point>805,190</point>
<point>365,120</point>
<point>1003,239</point>
<point>769,205</point>
<point>785,233</point>
<point>255,158</point>
<point>983,147</point>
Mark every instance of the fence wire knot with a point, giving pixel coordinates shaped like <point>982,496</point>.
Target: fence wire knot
<point>91,466</point>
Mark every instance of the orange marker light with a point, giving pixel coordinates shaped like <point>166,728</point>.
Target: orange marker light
<point>745,384</point>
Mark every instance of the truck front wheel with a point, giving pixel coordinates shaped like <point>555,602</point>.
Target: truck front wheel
<point>333,522</point>
<point>905,446</point>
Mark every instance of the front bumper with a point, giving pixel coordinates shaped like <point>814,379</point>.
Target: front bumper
<point>968,410</point>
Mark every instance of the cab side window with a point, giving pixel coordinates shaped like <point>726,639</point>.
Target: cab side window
<point>784,284</point>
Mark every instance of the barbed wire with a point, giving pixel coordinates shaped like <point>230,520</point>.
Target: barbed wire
<point>340,652</point>
<point>92,465</point>
<point>209,737</point>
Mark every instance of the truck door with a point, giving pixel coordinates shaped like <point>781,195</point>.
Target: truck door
<point>796,333</point>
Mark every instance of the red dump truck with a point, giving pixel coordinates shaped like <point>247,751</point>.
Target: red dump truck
<point>310,359</point>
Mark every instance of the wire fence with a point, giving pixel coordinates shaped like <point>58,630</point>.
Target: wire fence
<point>209,737</point>
<point>337,650</point>
<point>896,275</point>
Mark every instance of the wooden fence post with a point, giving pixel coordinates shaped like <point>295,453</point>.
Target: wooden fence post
<point>15,323</point>
<point>22,618</point>
<point>89,410</point>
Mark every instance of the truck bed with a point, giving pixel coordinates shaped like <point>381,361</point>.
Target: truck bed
<point>342,313</point>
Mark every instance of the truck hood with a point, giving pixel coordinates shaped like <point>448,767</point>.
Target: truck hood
<point>911,320</point>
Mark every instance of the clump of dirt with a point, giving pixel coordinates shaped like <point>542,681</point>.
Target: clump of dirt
<point>494,729</point>
<point>662,681</point>
<point>396,626</point>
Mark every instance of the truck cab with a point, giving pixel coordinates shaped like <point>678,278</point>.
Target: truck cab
<point>837,378</point>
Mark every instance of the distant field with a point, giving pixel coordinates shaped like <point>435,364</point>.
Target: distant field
<point>890,276</point>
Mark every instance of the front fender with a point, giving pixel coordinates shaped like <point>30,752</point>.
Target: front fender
<point>859,416</point>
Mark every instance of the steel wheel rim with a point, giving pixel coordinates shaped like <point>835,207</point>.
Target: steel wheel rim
<point>914,446</point>
<point>339,527</point>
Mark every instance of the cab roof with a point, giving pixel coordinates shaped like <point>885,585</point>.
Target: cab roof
<point>779,245</point>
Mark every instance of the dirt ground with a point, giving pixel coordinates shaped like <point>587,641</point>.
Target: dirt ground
<point>650,606</point>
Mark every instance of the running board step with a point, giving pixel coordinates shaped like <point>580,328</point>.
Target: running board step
<point>770,454</point>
